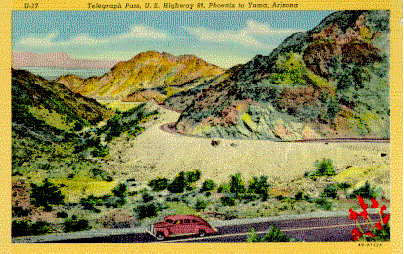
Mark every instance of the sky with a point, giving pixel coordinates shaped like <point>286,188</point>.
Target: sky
<point>223,38</point>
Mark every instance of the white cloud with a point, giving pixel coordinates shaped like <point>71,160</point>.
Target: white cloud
<point>245,36</point>
<point>140,31</point>
<point>37,41</point>
<point>135,32</point>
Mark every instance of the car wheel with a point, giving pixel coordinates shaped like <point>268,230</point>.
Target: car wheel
<point>160,236</point>
<point>202,233</point>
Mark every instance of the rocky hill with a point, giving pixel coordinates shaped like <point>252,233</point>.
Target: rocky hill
<point>149,75</point>
<point>329,82</point>
<point>45,109</point>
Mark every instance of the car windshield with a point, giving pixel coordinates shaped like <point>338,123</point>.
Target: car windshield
<point>169,221</point>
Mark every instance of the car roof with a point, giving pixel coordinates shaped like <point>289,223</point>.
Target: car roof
<point>181,217</point>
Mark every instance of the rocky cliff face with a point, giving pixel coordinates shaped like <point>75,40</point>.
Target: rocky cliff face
<point>329,82</point>
<point>148,75</point>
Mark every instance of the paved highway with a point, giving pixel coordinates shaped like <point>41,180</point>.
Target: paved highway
<point>330,229</point>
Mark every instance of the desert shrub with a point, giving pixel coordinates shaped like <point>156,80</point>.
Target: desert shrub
<point>158,184</point>
<point>146,197</point>
<point>280,197</point>
<point>323,204</point>
<point>46,195</point>
<point>208,185</point>
<point>75,224</point>
<point>120,190</point>
<point>236,184</point>
<point>253,237</point>
<point>259,186</point>
<point>62,214</point>
<point>227,201</point>
<point>200,204</point>
<point>365,191</point>
<point>99,173</point>
<point>330,191</point>
<point>178,184</point>
<point>324,168</point>
<point>146,211</point>
<point>91,202</point>
<point>193,176</point>
<point>299,196</point>
<point>115,202</point>
<point>25,227</point>
<point>100,151</point>
<point>249,197</point>
<point>41,227</point>
<point>18,211</point>
<point>343,186</point>
<point>20,228</point>
<point>223,188</point>
<point>274,235</point>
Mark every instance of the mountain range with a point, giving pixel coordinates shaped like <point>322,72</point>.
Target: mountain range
<point>329,82</point>
<point>148,75</point>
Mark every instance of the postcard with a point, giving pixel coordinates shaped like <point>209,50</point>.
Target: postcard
<point>203,127</point>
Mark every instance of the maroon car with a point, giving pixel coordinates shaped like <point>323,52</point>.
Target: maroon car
<point>176,225</point>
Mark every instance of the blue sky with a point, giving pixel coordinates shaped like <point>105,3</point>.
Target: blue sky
<point>224,38</point>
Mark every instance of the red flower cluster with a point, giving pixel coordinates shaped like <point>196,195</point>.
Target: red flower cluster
<point>357,234</point>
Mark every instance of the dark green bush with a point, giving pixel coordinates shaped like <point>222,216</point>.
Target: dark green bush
<point>74,224</point>
<point>324,168</point>
<point>193,176</point>
<point>41,227</point>
<point>274,235</point>
<point>259,186</point>
<point>323,204</point>
<point>146,211</point>
<point>178,184</point>
<point>366,192</point>
<point>91,202</point>
<point>249,197</point>
<point>100,151</point>
<point>25,228</point>
<point>330,191</point>
<point>236,184</point>
<point>200,204</point>
<point>280,197</point>
<point>20,228</point>
<point>120,190</point>
<point>158,184</point>
<point>208,185</point>
<point>62,214</point>
<point>18,211</point>
<point>299,196</point>
<point>223,188</point>
<point>343,186</point>
<point>227,201</point>
<point>46,195</point>
<point>146,197</point>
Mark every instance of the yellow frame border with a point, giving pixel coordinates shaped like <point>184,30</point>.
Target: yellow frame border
<point>394,246</point>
